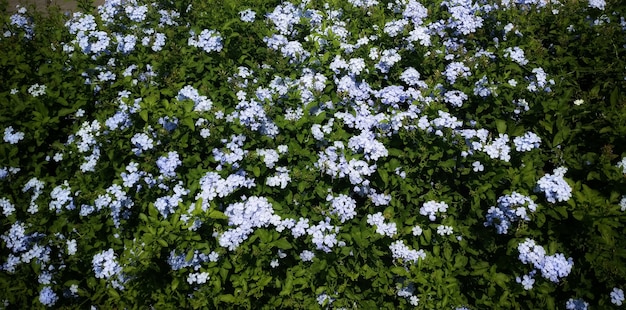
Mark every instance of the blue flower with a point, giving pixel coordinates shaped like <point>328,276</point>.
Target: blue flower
<point>617,296</point>
<point>105,265</point>
<point>208,40</point>
<point>554,186</point>
<point>307,256</point>
<point>576,304</point>
<point>168,164</point>
<point>247,15</point>
<point>48,297</point>
<point>527,142</point>
<point>402,252</point>
<point>11,136</point>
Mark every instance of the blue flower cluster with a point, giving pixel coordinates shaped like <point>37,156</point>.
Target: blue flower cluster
<point>554,186</point>
<point>617,296</point>
<point>202,103</point>
<point>11,136</point>
<point>47,296</point>
<point>576,304</point>
<point>253,212</point>
<point>511,208</point>
<point>552,267</point>
<point>105,266</point>
<point>430,208</point>
<point>402,252</point>
<point>343,206</point>
<point>207,40</point>
<point>167,164</point>
<point>247,15</point>
<point>382,227</point>
<point>527,142</point>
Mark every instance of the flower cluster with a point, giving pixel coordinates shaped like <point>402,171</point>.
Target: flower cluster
<point>402,252</point>
<point>11,136</point>
<point>527,142</point>
<point>61,197</point>
<point>47,296</point>
<point>252,213</point>
<point>247,15</point>
<point>554,186</point>
<point>511,208</point>
<point>198,277</point>
<point>576,304</point>
<point>105,266</point>
<point>142,142</point>
<point>430,208</point>
<point>622,165</point>
<point>343,206</point>
<point>202,103</point>
<point>382,228</point>
<point>167,164</point>
<point>280,179</point>
<point>552,267</point>
<point>207,40</point>
<point>213,185</point>
<point>324,235</point>
<point>617,296</point>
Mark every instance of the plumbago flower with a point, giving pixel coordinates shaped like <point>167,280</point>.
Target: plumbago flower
<point>552,267</point>
<point>305,129</point>
<point>554,186</point>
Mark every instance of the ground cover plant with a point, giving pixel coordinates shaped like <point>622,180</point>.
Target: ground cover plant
<point>313,154</point>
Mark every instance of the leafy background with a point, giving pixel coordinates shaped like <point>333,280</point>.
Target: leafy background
<point>474,267</point>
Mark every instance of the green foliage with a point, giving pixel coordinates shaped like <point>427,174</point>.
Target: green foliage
<point>473,267</point>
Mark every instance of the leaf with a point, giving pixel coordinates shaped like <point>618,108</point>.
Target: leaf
<point>318,266</point>
<point>460,261</point>
<point>501,279</point>
<point>113,293</point>
<point>287,286</point>
<point>188,121</point>
<point>144,115</point>
<point>228,298</point>
<point>501,126</point>
<point>189,255</point>
<point>282,244</point>
<point>401,271</point>
<point>383,175</point>
<point>214,214</point>
<point>175,283</point>
<point>614,96</point>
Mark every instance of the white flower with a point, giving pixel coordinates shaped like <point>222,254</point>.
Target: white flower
<point>579,101</point>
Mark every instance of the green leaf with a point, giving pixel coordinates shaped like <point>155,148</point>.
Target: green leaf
<point>282,244</point>
<point>383,175</point>
<point>501,279</point>
<point>214,214</point>
<point>287,286</point>
<point>501,126</point>
<point>188,121</point>
<point>228,298</point>
<point>113,293</point>
<point>144,115</point>
<point>401,271</point>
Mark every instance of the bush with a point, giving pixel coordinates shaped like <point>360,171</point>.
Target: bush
<point>253,154</point>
